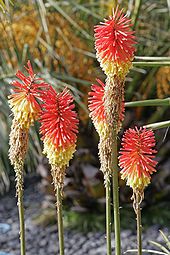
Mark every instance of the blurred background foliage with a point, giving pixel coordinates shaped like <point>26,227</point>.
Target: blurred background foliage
<point>57,36</point>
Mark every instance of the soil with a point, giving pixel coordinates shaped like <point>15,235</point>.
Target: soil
<point>42,240</point>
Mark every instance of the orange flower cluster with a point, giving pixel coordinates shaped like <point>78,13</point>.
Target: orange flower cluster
<point>114,43</point>
<point>33,99</point>
<point>137,157</point>
<point>24,102</point>
<point>96,107</point>
<point>59,127</point>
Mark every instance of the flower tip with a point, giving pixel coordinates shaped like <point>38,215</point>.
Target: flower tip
<point>114,40</point>
<point>28,93</point>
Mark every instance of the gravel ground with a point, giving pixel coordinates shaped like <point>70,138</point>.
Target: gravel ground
<point>44,241</point>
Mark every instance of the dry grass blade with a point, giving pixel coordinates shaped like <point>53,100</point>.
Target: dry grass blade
<point>42,12</point>
<point>168,3</point>
<point>167,241</point>
<point>148,251</point>
<point>86,10</point>
<point>84,52</point>
<point>69,19</point>
<point>160,246</point>
<point>136,12</point>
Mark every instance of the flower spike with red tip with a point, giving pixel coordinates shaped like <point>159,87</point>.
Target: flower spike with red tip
<point>59,128</point>
<point>25,105</point>
<point>96,107</point>
<point>137,157</point>
<point>24,101</point>
<point>114,43</point>
<point>137,163</point>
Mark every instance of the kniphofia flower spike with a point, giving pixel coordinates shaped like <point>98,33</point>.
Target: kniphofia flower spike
<point>137,157</point>
<point>59,128</point>
<point>114,43</point>
<point>24,102</point>
<point>138,164</point>
<point>25,106</point>
<point>96,107</point>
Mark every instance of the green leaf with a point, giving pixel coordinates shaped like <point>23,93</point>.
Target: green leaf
<point>152,64</point>
<point>158,125</point>
<point>150,102</point>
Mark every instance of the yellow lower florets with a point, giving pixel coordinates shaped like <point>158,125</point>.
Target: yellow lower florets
<point>23,110</point>
<point>58,156</point>
<point>101,127</point>
<point>136,182</point>
<point>119,69</point>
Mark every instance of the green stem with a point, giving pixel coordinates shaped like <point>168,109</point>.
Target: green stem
<point>150,63</point>
<point>158,125</point>
<point>152,58</point>
<point>137,8</point>
<point>18,167</point>
<point>60,220</point>
<point>150,102</point>
<point>116,199</point>
<point>139,226</point>
<point>108,215</point>
<point>21,221</point>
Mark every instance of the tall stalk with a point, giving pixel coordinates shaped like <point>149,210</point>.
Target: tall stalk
<point>114,94</point>
<point>60,220</point>
<point>21,221</point>
<point>20,204</point>
<point>25,110</point>
<point>139,224</point>
<point>116,198</point>
<point>108,215</point>
<point>138,164</point>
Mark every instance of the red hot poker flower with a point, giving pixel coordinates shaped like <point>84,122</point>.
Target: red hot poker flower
<point>96,98</point>
<point>137,157</point>
<point>24,102</point>
<point>96,107</point>
<point>59,127</point>
<point>114,41</point>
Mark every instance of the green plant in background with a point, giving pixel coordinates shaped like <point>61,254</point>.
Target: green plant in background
<point>3,5</point>
<point>164,248</point>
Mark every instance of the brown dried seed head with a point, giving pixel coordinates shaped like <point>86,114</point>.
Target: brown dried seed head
<point>18,141</point>
<point>114,100</point>
<point>113,105</point>
<point>58,174</point>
